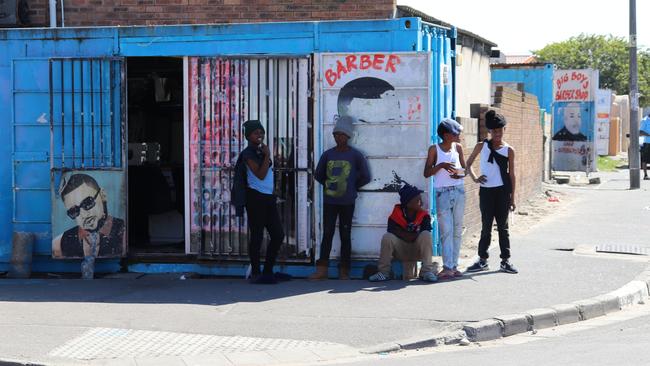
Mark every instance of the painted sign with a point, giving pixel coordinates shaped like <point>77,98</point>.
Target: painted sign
<point>575,85</point>
<point>387,97</point>
<point>603,109</point>
<point>573,120</point>
<point>88,211</point>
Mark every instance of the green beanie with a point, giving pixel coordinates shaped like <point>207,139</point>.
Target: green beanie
<point>252,125</point>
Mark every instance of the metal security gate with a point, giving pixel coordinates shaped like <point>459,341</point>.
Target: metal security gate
<point>87,160</point>
<point>224,93</point>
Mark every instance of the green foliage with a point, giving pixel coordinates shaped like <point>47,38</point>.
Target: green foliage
<point>608,54</point>
<point>607,164</point>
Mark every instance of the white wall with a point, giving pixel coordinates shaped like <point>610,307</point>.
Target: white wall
<point>473,80</point>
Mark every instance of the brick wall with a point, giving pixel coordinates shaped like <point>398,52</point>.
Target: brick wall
<point>149,12</point>
<point>524,133</point>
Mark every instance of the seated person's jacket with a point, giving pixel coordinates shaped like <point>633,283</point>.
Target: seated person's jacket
<point>398,222</point>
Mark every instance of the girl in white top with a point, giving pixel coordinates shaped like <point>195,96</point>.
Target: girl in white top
<point>497,192</point>
<point>446,163</point>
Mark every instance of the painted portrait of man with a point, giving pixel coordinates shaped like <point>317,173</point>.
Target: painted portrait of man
<point>572,118</point>
<point>369,99</point>
<point>97,233</point>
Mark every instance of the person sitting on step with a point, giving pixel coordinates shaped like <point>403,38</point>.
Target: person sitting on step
<point>408,237</point>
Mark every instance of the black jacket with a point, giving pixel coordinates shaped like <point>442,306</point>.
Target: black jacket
<point>240,181</point>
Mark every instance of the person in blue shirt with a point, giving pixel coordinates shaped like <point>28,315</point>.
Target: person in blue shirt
<point>253,189</point>
<point>644,132</point>
<point>342,170</point>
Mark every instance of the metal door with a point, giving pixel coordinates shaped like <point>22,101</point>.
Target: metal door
<point>223,93</point>
<point>87,160</point>
<point>388,97</point>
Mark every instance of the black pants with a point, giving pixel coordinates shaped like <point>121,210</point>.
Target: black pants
<point>344,214</point>
<point>494,203</point>
<point>263,213</point>
<point>645,155</point>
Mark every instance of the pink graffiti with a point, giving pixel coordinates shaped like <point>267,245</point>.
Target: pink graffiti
<point>414,111</point>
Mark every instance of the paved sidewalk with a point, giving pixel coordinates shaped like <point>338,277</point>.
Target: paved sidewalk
<point>166,321</point>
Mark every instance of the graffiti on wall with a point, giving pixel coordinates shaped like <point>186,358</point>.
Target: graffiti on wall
<point>215,141</point>
<point>88,211</point>
<point>573,120</point>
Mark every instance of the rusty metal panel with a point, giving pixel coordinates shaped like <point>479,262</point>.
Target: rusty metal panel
<point>223,93</point>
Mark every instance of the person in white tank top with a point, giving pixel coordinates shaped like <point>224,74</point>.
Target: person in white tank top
<point>497,192</point>
<point>446,164</point>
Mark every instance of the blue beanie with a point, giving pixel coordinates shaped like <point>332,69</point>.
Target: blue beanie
<point>407,193</point>
<point>449,125</point>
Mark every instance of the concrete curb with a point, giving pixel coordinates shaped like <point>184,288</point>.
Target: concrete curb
<point>9,362</point>
<point>632,293</point>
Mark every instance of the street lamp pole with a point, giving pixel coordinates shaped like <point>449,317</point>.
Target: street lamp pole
<point>635,176</point>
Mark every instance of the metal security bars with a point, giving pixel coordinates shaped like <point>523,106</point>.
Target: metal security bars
<point>224,93</point>
<point>87,109</point>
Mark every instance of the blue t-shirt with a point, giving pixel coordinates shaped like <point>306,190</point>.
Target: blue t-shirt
<point>342,173</point>
<point>645,126</point>
<point>261,185</point>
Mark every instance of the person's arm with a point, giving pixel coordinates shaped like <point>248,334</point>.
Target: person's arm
<point>513,179</point>
<point>363,176</point>
<point>470,161</point>
<point>432,157</point>
<point>262,169</point>
<point>401,233</point>
<point>320,174</point>
<point>461,157</point>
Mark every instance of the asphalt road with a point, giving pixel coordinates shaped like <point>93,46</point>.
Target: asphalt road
<point>618,339</point>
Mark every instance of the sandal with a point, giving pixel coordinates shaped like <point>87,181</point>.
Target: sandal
<point>446,274</point>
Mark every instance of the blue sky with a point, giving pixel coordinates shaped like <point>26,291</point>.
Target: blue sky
<point>519,26</point>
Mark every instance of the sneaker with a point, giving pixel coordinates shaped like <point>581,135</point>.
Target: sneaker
<point>264,279</point>
<point>429,277</point>
<point>378,277</point>
<point>282,277</point>
<point>480,265</point>
<point>508,268</point>
<point>457,273</point>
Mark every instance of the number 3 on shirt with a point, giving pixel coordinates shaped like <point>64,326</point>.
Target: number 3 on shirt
<point>338,172</point>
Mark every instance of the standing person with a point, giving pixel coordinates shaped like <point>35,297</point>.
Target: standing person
<point>253,189</point>
<point>446,163</point>
<point>497,192</point>
<point>342,170</point>
<point>644,132</point>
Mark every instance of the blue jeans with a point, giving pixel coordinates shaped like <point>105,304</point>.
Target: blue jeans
<point>450,206</point>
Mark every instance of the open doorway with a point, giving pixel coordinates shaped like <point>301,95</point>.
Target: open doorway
<point>155,156</point>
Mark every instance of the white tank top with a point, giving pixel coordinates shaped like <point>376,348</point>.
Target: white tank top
<point>442,177</point>
<point>491,170</point>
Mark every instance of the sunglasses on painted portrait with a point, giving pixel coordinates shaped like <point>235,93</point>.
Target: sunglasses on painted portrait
<point>87,204</point>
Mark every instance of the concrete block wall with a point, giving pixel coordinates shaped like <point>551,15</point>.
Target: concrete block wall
<point>152,12</point>
<point>524,133</point>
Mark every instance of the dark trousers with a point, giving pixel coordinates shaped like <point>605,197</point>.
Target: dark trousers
<point>344,214</point>
<point>263,213</point>
<point>494,204</point>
